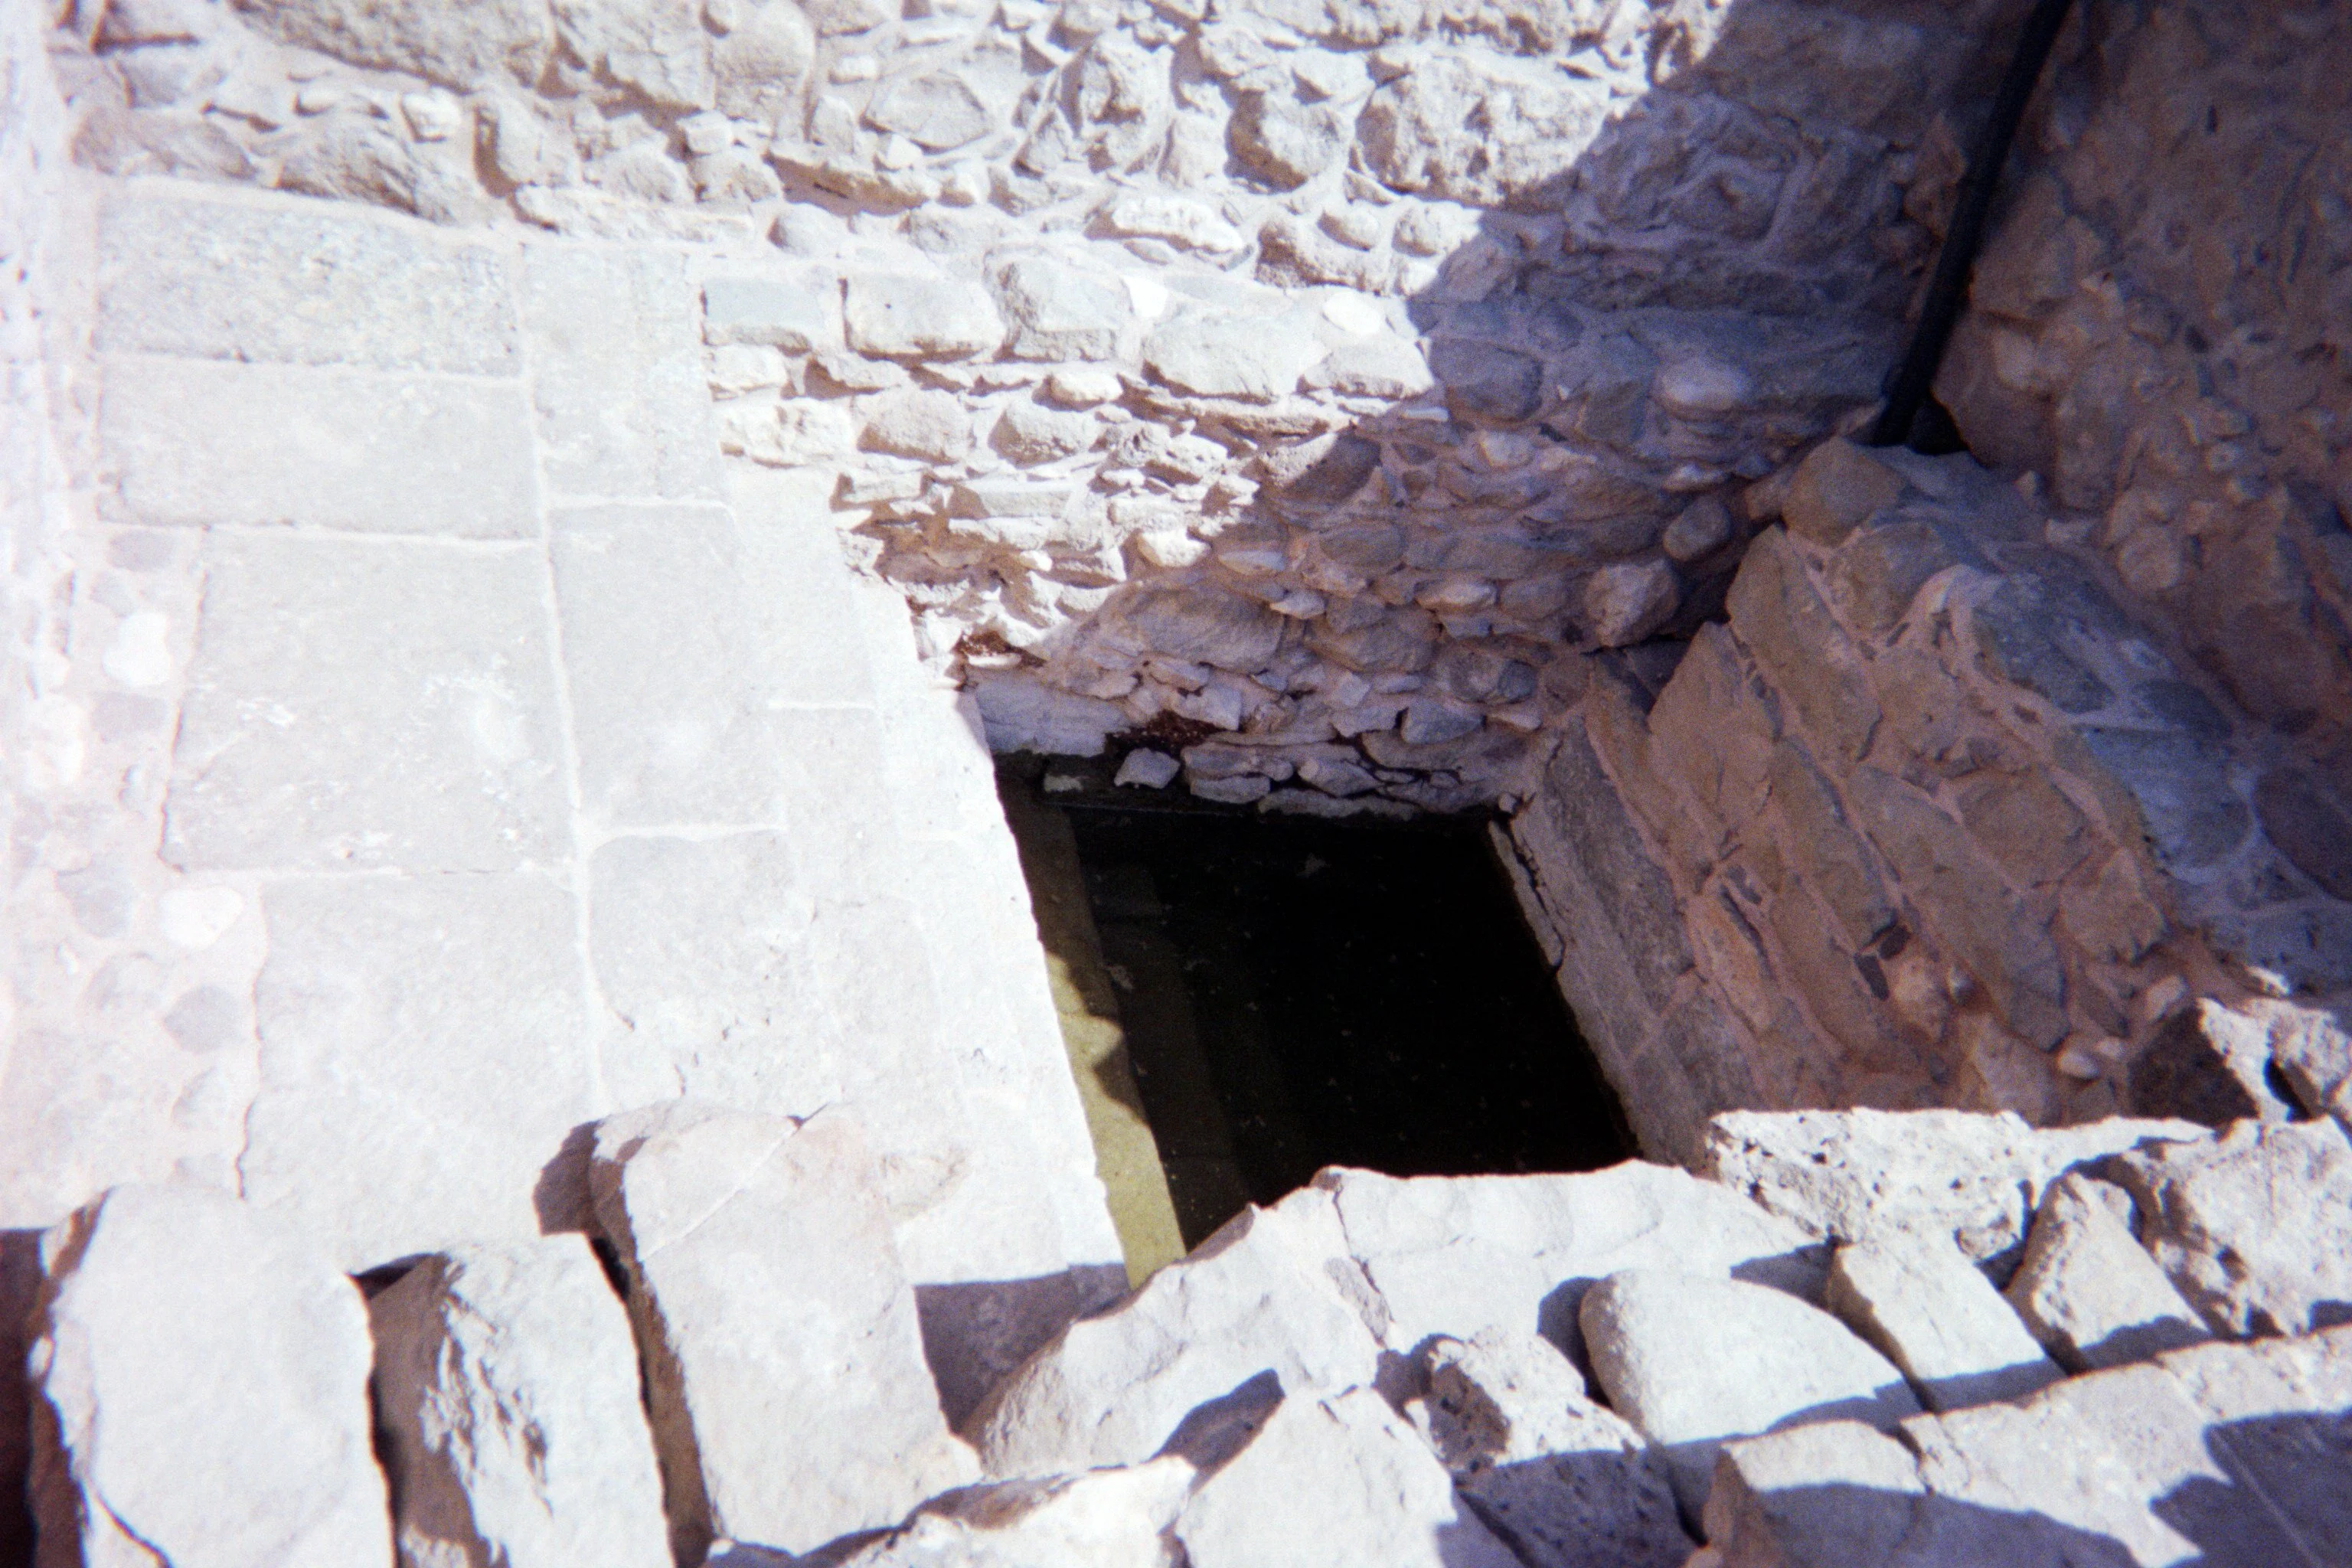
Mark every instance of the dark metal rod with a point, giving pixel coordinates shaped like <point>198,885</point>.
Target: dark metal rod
<point>1948,294</point>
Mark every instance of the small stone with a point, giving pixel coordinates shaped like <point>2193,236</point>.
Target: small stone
<point>358,161</point>
<point>1286,143</point>
<point>432,116</point>
<point>1931,1312</point>
<point>707,133</point>
<point>1628,602</point>
<point>1148,769</point>
<point>463,46</point>
<point>1243,789</point>
<point>1026,433</point>
<point>1183,223</point>
<point>1429,721</point>
<point>1700,530</point>
<point>657,46</point>
<point>937,110</point>
<point>1692,1362</point>
<point>2086,1289</point>
<point>1484,381</point>
<point>1385,367</point>
<point>918,423</point>
<point>920,316</point>
<point>1084,386</point>
<point>1837,487</point>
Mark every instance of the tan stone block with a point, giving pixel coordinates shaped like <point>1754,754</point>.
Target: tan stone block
<point>1835,490</point>
<point>2027,824</point>
<point>1814,663</point>
<point>1828,853</point>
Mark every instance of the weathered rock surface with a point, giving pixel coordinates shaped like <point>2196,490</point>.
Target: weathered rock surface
<point>784,1371</point>
<point>201,1378</point>
<point>1565,1482</point>
<point>1270,1306</point>
<point>466,46</point>
<point>1851,1175</point>
<point>1693,1361</point>
<point>1933,1314</point>
<point>1459,1254</point>
<point>2088,1292</point>
<point>1114,1518</point>
<point>1334,1480</point>
<point>505,1382</point>
<point>2256,1227</point>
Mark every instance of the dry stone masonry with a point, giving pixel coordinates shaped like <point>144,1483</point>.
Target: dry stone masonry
<point>524,1038</point>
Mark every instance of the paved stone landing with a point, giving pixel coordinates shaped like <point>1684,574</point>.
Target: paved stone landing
<point>454,748</point>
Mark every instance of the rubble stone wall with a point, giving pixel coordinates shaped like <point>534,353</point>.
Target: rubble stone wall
<point>1960,805</point>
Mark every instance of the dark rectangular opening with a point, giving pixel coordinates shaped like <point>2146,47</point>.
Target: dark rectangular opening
<point>1295,993</point>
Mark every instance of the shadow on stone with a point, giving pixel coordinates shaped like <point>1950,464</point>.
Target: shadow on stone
<point>977,1331</point>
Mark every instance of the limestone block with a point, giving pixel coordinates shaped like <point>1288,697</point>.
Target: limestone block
<point>505,1382</point>
<point>2088,1292</point>
<point>1336,1481</point>
<point>1485,381</point>
<point>1854,1175</point>
<point>1838,488</point>
<point>2255,1226</point>
<point>916,422</point>
<point>1255,359</point>
<point>716,989</point>
<point>693,640</point>
<point>1777,613</point>
<point>1459,1254</point>
<point>1201,625</point>
<point>422,1060</point>
<point>1062,312</point>
<point>2226,1447</point>
<point>1931,1312</point>
<point>1878,573</point>
<point>1693,1361</point>
<point>1270,1306</point>
<point>459,46</point>
<point>760,63</point>
<point>597,321</point>
<point>784,1370</point>
<point>1815,1496</point>
<point>1627,602</point>
<point>1564,1482</point>
<point>1099,1518</point>
<point>446,758</point>
<point>295,282</point>
<point>194,444</point>
<point>1474,129</point>
<point>657,46</point>
<point>202,1384</point>
<point>905,315</point>
<point>353,160</point>
<point>2315,1053</point>
<point>799,313</point>
<point>937,110</point>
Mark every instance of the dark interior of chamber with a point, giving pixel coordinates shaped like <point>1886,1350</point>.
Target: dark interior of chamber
<point>1299,993</point>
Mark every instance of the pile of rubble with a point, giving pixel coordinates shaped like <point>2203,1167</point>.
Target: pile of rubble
<point>1862,1337</point>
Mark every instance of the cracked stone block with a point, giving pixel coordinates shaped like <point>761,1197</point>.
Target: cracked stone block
<point>690,639</point>
<point>423,1059</point>
<point>506,1385</point>
<point>297,283</point>
<point>705,955</point>
<point>197,444</point>
<point>445,757</point>
<point>202,1378</point>
<point>598,322</point>
<point>784,1360</point>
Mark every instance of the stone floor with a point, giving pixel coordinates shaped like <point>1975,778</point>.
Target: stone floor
<point>448,747</point>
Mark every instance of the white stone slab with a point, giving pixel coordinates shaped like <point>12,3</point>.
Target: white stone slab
<point>301,283</point>
<point>423,1057</point>
<point>189,443</point>
<point>616,373</point>
<point>690,651</point>
<point>356,704</point>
